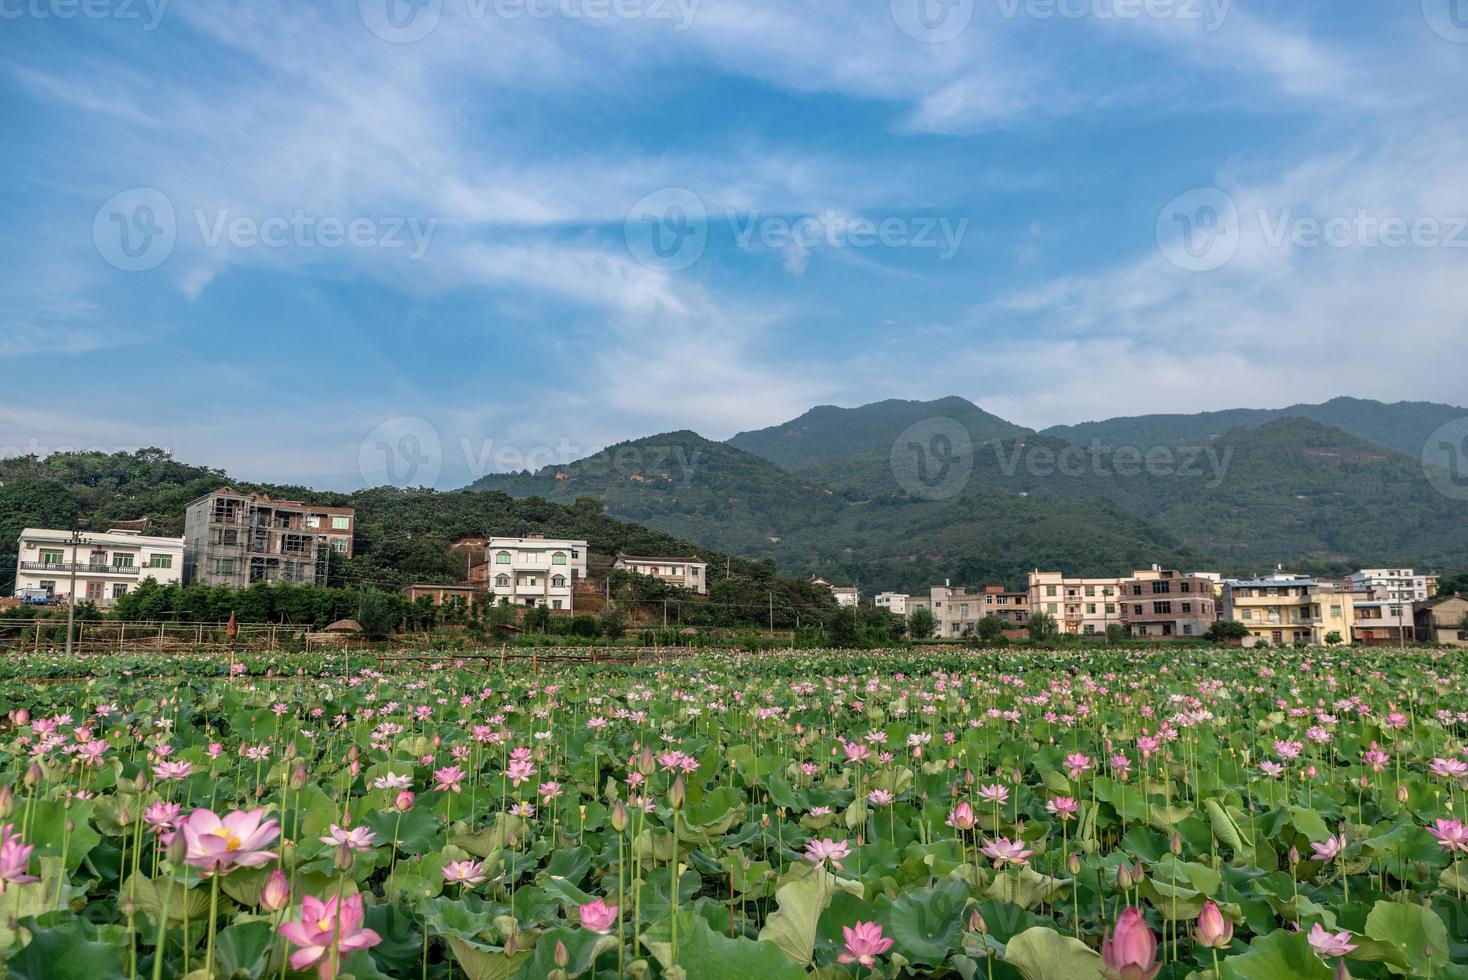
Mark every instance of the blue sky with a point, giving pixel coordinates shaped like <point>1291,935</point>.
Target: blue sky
<point>277,237</point>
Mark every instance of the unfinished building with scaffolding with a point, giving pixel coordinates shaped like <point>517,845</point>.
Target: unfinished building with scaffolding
<point>236,539</point>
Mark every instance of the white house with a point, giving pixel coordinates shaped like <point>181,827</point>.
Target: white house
<point>1392,584</point>
<point>107,565</point>
<point>893,602</point>
<point>535,570</point>
<point>685,573</point>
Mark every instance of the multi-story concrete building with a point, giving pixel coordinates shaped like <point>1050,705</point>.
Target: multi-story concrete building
<point>1382,620</point>
<point>1394,584</point>
<point>1081,606</point>
<point>1443,619</point>
<point>1165,604</point>
<point>957,612</point>
<point>535,570</point>
<point>1290,609</point>
<point>686,573</point>
<point>236,539</point>
<point>107,565</point>
<point>893,602</point>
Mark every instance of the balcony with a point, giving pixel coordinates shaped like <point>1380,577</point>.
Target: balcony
<point>87,568</point>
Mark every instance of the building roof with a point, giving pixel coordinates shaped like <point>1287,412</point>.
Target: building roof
<point>263,499</point>
<point>1265,583</point>
<point>112,537</point>
<point>690,560</point>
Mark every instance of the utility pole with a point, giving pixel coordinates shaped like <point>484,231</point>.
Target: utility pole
<point>772,612</point>
<point>76,542</point>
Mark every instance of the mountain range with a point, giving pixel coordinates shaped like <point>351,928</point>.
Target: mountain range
<point>900,494</point>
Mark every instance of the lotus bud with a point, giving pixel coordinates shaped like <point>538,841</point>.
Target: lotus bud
<point>1130,950</point>
<point>1176,844</point>
<point>1124,876</point>
<point>290,751</point>
<point>21,717</point>
<point>345,858</point>
<point>562,958</point>
<point>677,793</point>
<point>977,924</point>
<point>298,777</point>
<point>33,775</point>
<point>355,767</point>
<point>177,847</point>
<point>276,894</point>
<point>1214,930</point>
<point>404,801</point>
<point>1138,872</point>
<point>512,943</point>
<point>1402,793</point>
<point>1073,863</point>
<point>1294,855</point>
<point>645,761</point>
<point>619,817</point>
<point>7,802</point>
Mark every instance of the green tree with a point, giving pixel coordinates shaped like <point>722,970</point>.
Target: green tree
<point>1043,628</point>
<point>843,631</point>
<point>991,628</point>
<point>537,620</point>
<point>1333,639</point>
<point>921,623</point>
<point>1226,629</point>
<point>1115,633</point>
<point>612,622</point>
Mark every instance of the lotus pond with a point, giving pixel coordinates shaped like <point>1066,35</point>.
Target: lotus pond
<point>1176,812</point>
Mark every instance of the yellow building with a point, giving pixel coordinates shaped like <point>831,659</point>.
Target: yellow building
<point>1290,610</point>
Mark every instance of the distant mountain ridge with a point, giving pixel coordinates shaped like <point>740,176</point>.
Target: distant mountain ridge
<point>848,493</point>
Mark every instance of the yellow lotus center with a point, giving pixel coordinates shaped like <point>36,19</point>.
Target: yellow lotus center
<point>231,841</point>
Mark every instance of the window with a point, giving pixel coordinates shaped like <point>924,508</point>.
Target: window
<point>224,566</point>
<point>556,604</point>
<point>1187,631</point>
<point>1246,614</point>
<point>502,558</point>
<point>118,591</point>
<point>575,553</point>
<point>313,521</point>
<point>558,581</point>
<point>1050,592</point>
<point>52,556</point>
<point>50,587</point>
<point>341,523</point>
<point>502,581</point>
<point>1110,590</point>
<point>1110,608</point>
<point>94,590</point>
<point>1161,588</point>
<point>1137,588</point>
<point>160,561</point>
<point>339,545</point>
<point>122,561</point>
<point>1187,586</point>
<point>1187,607</point>
<point>1090,628</point>
<point>1162,608</point>
<point>1090,609</point>
<point>559,558</point>
<point>1136,610</point>
<point>1052,607</point>
<point>229,536</point>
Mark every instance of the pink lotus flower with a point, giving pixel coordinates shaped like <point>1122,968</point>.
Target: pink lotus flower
<point>172,771</point>
<point>962,817</point>
<point>994,793</point>
<point>1328,943</point>
<point>1129,952</point>
<point>450,779</point>
<point>218,846</point>
<point>1329,849</point>
<point>864,943</point>
<point>469,873</point>
<point>820,851</point>
<point>1214,930</point>
<point>336,921</point>
<point>597,916</point>
<point>1448,768</point>
<point>879,797</point>
<point>162,816</point>
<point>1452,835</point>
<point>356,839</point>
<point>15,858</point>
<point>1077,763</point>
<point>856,752</point>
<point>276,893</point>
<point>1064,807</point>
<point>1002,851</point>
